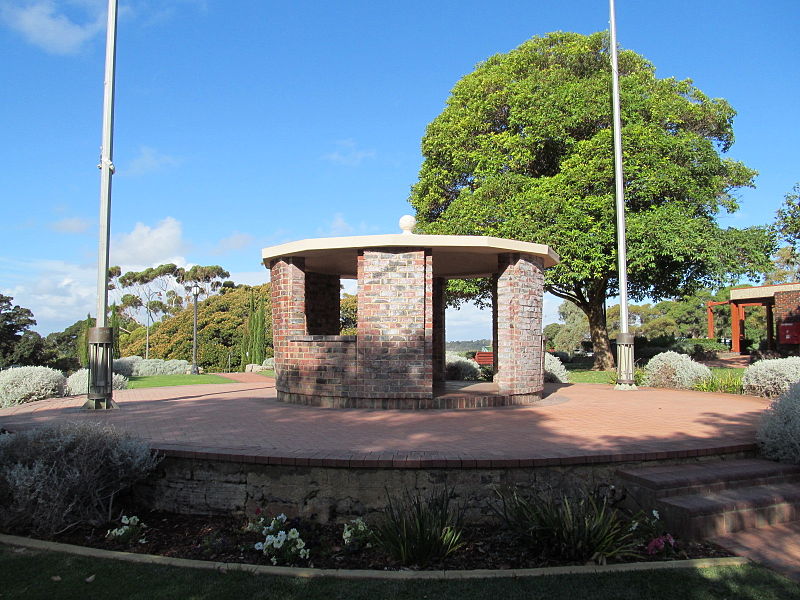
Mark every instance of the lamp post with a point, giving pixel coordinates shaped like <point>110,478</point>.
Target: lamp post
<point>101,337</point>
<point>195,293</point>
<point>625,380</point>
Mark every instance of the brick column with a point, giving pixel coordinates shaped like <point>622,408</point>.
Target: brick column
<point>395,325</point>
<point>288,288</point>
<point>323,293</point>
<point>439,363</point>
<point>520,289</point>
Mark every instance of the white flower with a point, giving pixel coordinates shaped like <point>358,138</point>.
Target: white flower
<point>259,546</point>
<point>281,536</point>
<point>142,541</point>
<point>299,544</point>
<point>655,514</point>
<point>133,520</point>
<point>634,525</point>
<point>269,540</point>
<point>277,544</point>
<point>281,517</point>
<point>304,553</point>
<point>293,534</point>
<point>125,520</point>
<point>266,530</point>
<point>274,560</point>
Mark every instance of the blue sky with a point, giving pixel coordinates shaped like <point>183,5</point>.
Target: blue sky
<point>243,124</point>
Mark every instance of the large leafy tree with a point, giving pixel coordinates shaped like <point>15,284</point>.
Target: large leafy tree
<point>523,150</point>
<point>15,323</point>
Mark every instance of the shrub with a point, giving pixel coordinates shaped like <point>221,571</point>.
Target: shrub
<point>673,370</point>
<point>700,348</point>
<point>125,365</point>
<point>417,530</point>
<point>60,476</point>
<point>554,371</point>
<point>136,366</point>
<point>78,382</point>
<point>778,434</point>
<point>269,363</point>
<point>560,527</point>
<point>281,546</point>
<point>460,368</point>
<point>27,384</point>
<point>770,378</point>
<point>638,376</point>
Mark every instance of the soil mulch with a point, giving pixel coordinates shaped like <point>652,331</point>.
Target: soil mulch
<point>224,539</point>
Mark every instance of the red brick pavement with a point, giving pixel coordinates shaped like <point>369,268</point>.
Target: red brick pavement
<point>575,424</point>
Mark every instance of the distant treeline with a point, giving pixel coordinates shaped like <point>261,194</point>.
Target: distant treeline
<point>465,346</point>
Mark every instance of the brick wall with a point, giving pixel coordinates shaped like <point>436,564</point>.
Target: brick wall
<point>323,294</point>
<point>520,284</point>
<point>786,310</point>
<point>288,288</point>
<point>395,323</point>
<point>321,371</point>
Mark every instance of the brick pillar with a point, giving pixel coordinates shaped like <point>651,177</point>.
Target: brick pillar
<point>323,293</point>
<point>395,324</point>
<point>520,290</point>
<point>439,363</point>
<point>737,317</point>
<point>494,326</point>
<point>288,288</point>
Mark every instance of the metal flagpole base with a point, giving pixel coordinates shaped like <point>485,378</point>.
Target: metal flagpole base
<point>101,374</point>
<point>625,379</point>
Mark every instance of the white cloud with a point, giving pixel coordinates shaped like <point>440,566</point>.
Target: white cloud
<point>146,246</point>
<point>339,226</point>
<point>235,241</point>
<point>468,322</point>
<point>348,154</point>
<point>149,160</point>
<point>71,225</point>
<point>44,25</point>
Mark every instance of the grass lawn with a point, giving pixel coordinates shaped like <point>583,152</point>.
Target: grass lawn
<point>149,381</point>
<point>28,574</point>
<point>582,373</point>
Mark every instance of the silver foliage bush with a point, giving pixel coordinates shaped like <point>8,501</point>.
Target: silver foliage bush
<point>26,384</point>
<point>554,370</point>
<point>459,368</point>
<point>59,476</point>
<point>125,365</point>
<point>269,363</point>
<point>770,378</point>
<point>778,434</point>
<point>673,370</point>
<point>78,382</point>
<point>136,366</point>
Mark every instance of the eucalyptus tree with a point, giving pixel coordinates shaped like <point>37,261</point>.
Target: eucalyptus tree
<point>523,149</point>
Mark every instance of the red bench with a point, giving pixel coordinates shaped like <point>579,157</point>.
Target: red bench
<point>484,358</point>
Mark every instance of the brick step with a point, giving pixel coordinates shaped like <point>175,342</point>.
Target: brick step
<point>648,484</point>
<point>707,515</point>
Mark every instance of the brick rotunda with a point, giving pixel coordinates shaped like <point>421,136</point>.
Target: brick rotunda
<point>397,358</point>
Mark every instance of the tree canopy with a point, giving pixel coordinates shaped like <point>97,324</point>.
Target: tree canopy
<point>524,150</point>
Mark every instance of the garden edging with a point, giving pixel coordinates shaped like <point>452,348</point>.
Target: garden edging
<point>698,563</point>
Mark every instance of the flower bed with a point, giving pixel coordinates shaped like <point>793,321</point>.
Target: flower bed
<point>234,539</point>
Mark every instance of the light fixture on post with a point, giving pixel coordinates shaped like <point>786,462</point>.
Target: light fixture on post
<point>101,337</point>
<point>195,293</point>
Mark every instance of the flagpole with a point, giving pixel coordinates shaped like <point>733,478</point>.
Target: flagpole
<point>101,336</point>
<point>625,380</point>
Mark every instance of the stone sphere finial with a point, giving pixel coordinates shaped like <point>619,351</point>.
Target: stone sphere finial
<point>407,224</point>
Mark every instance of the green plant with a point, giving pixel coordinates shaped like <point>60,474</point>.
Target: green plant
<point>727,382</point>
<point>460,368</point>
<point>417,530</point>
<point>56,477</point>
<point>638,376</point>
<point>282,547</point>
<point>130,529</point>
<point>357,534</point>
<point>559,527</point>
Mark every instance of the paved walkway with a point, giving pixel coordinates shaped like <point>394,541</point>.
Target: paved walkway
<point>574,424</point>
<point>778,547</point>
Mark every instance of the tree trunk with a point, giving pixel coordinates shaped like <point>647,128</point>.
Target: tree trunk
<point>603,358</point>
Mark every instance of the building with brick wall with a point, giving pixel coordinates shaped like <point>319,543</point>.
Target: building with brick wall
<point>397,358</point>
<point>781,303</point>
